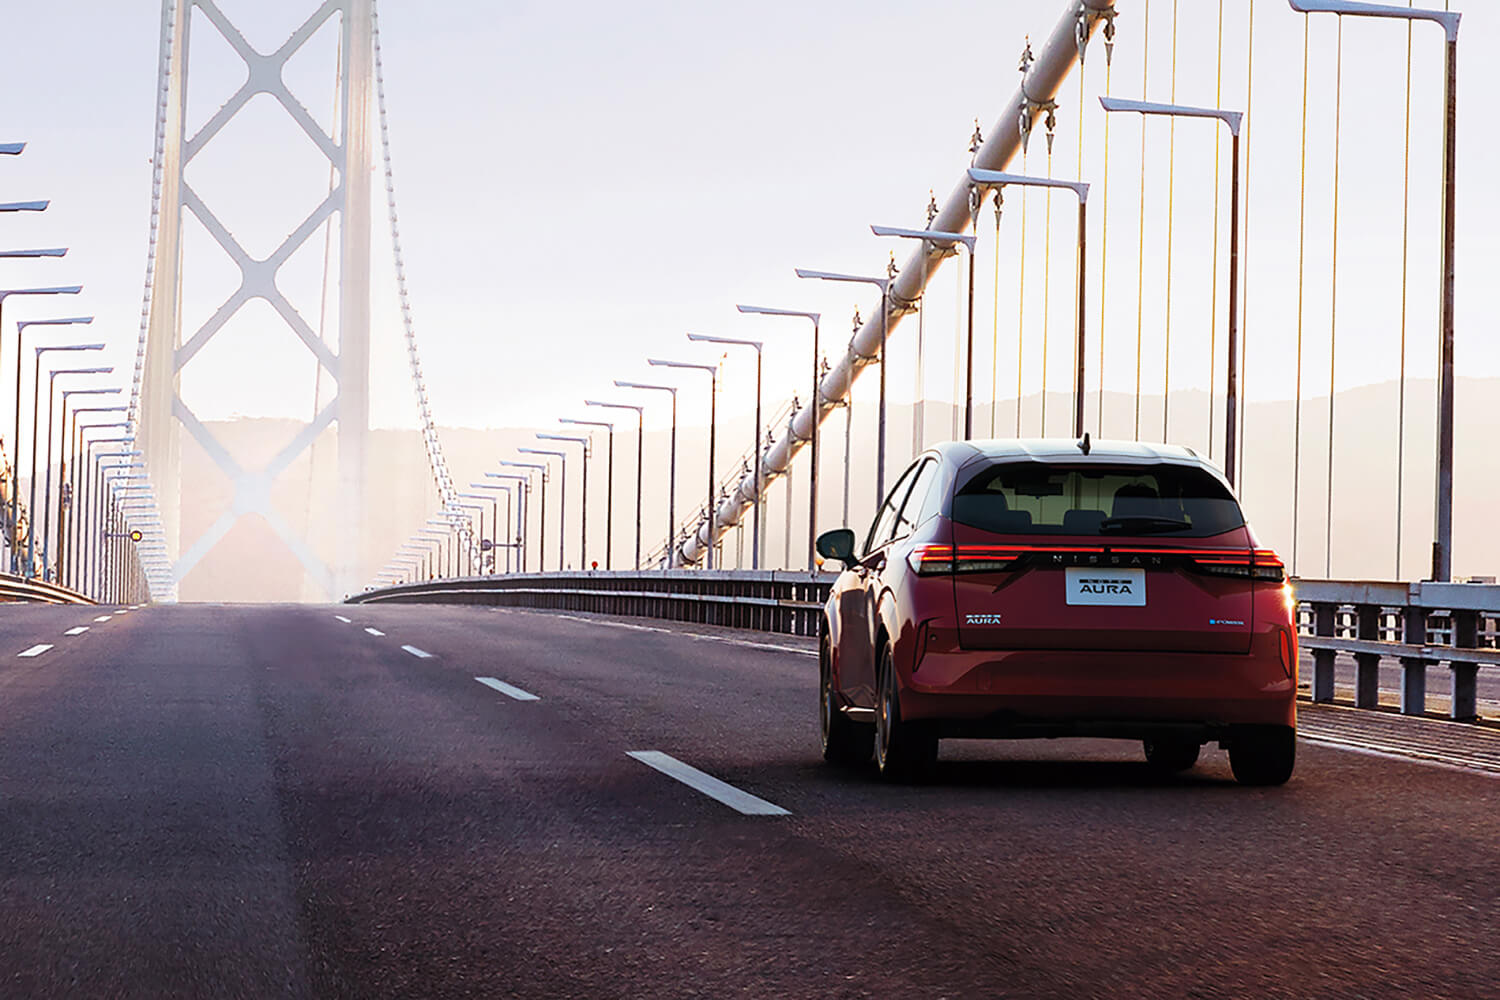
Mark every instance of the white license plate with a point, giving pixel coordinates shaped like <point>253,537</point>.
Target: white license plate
<point>1114,587</point>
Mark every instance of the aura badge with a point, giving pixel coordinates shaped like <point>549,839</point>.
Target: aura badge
<point>981,619</point>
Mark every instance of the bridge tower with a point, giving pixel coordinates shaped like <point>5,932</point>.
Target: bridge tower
<point>161,417</point>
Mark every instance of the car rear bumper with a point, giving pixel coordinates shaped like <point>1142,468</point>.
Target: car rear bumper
<point>1068,693</point>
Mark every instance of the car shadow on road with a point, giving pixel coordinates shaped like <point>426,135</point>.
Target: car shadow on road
<point>1036,775</point>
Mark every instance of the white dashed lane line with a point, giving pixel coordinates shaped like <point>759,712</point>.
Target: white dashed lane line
<point>508,690</point>
<point>420,654</point>
<point>103,618</point>
<point>737,799</point>
<point>77,630</point>
<point>342,619</point>
<point>36,650</point>
<point>375,632</point>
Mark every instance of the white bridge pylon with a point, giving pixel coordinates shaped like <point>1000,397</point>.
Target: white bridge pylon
<point>161,413</point>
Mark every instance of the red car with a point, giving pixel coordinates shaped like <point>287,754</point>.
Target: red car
<point>1048,588</point>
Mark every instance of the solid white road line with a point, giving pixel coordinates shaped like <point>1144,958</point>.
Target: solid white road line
<point>103,618</point>
<point>736,799</point>
<point>77,630</point>
<point>36,650</point>
<point>342,619</point>
<point>507,689</point>
<point>420,654</point>
<point>374,631</point>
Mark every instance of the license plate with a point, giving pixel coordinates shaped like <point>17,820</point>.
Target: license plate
<point>1113,587</point>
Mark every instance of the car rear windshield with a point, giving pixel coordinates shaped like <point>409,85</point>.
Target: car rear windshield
<point>1034,498</point>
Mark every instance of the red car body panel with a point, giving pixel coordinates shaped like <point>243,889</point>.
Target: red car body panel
<point>1002,653</point>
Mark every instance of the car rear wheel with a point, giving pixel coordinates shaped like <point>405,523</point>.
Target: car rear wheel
<point>1263,755</point>
<point>1171,754</point>
<point>844,740</point>
<point>904,751</point>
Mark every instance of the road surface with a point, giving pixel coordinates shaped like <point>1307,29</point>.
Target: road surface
<point>234,801</point>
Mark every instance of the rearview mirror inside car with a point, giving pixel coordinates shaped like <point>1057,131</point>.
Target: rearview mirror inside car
<point>837,544</point>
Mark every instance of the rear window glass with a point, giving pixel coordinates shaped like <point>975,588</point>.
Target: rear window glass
<point>1032,498</point>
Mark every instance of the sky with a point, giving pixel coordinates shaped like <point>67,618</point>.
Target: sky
<point>580,185</point>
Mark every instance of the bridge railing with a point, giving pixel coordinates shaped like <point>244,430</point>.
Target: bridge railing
<point>1417,625</point>
<point>768,601</point>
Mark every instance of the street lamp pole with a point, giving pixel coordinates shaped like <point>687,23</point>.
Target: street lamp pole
<point>755,441</point>
<point>640,441</point>
<point>1442,545</point>
<point>884,284</point>
<point>1234,120</point>
<point>82,544</point>
<point>541,542</point>
<point>713,425</point>
<point>671,474</point>
<point>583,520</point>
<point>937,236</point>
<point>523,506</point>
<point>15,492</point>
<point>36,393</point>
<point>816,417</point>
<point>999,179</point>
<point>492,493</point>
<point>562,499</point>
<point>609,486</point>
<point>67,487</point>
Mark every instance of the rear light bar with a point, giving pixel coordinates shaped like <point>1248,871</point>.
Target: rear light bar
<point>1256,564</point>
<point>1245,564</point>
<point>933,560</point>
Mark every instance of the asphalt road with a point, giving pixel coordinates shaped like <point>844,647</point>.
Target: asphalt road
<point>210,801</point>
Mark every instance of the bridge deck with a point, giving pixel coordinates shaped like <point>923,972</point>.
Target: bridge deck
<point>310,801</point>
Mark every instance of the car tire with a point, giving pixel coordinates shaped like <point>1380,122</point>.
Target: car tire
<point>905,752</point>
<point>1263,755</point>
<point>1171,754</point>
<point>844,741</point>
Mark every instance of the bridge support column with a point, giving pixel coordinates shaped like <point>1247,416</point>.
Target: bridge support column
<point>1322,685</point>
<point>1414,668</point>
<point>1367,665</point>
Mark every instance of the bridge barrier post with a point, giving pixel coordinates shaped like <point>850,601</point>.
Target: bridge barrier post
<point>1367,665</point>
<point>1414,668</point>
<point>1324,615</point>
<point>1464,693</point>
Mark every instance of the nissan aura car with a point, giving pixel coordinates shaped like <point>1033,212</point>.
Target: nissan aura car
<point>1059,588</point>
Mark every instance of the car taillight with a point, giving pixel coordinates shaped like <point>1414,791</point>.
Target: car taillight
<point>932,560</point>
<point>1259,564</point>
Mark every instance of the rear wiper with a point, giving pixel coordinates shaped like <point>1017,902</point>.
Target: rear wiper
<point>1144,525</point>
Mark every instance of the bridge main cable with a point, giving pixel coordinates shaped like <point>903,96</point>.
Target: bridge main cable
<point>1039,86</point>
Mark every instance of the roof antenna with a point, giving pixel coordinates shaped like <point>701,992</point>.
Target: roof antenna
<point>1084,444</point>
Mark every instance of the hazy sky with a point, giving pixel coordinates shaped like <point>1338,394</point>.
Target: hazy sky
<point>581,184</point>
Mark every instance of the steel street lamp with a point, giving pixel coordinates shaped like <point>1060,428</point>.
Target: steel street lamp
<point>640,441</point>
<point>1231,378</point>
<point>815,416</point>
<point>884,284</point>
<point>999,179</point>
<point>1442,545</point>
<point>713,424</point>
<point>671,475</point>
<point>756,444</point>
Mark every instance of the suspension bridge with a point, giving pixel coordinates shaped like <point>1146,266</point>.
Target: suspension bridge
<point>546,729</point>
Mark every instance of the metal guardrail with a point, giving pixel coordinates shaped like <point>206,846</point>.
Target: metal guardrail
<point>768,601</point>
<point>15,588</point>
<point>1417,624</point>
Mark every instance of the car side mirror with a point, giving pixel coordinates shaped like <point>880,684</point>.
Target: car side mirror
<point>838,544</point>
